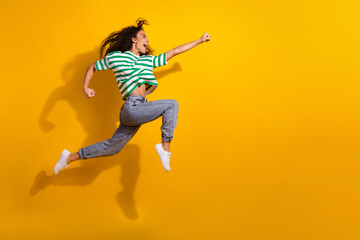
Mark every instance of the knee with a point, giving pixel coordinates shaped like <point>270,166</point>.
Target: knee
<point>175,105</point>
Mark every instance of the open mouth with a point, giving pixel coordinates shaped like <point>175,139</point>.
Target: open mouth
<point>145,46</point>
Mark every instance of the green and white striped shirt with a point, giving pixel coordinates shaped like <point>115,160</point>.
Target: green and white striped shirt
<point>131,70</point>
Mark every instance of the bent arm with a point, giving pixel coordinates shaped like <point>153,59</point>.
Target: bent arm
<point>186,47</point>
<point>88,75</point>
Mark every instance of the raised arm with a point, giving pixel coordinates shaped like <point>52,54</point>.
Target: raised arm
<point>88,75</point>
<point>186,47</point>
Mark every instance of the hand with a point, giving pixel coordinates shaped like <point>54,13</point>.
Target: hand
<point>89,92</point>
<point>205,38</point>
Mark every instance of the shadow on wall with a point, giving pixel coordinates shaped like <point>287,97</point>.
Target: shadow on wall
<point>98,116</point>
<point>84,175</point>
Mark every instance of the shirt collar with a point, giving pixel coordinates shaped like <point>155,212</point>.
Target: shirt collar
<point>133,54</point>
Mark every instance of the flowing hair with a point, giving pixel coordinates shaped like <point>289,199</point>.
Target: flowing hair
<point>122,40</point>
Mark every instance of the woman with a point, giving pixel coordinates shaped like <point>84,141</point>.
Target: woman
<point>128,54</point>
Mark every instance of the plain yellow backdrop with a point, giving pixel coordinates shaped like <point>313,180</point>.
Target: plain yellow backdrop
<point>267,140</point>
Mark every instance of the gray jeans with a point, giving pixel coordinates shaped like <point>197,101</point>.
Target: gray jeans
<point>135,111</point>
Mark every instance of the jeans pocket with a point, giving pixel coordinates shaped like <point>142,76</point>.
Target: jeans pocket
<point>129,103</point>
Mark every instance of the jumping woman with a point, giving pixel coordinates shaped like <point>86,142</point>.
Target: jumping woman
<point>128,54</point>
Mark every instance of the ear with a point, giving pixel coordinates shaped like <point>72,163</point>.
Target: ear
<point>133,40</point>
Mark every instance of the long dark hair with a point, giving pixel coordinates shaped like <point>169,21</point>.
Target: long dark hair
<point>122,40</point>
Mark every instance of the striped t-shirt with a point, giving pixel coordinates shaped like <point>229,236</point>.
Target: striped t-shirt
<point>131,70</point>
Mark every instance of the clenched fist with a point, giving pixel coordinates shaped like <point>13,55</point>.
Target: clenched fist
<point>89,92</point>
<point>205,38</point>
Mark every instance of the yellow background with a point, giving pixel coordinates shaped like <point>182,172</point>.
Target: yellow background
<point>267,140</point>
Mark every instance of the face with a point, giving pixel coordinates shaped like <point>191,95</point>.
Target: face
<point>141,42</point>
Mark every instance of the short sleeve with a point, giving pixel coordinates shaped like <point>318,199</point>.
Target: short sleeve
<point>159,60</point>
<point>101,64</point>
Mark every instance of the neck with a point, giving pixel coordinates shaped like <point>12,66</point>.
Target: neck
<point>135,51</point>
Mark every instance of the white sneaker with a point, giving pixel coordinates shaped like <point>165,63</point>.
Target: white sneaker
<point>164,156</point>
<point>61,164</point>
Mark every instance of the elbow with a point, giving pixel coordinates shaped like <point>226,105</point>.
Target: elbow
<point>92,67</point>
